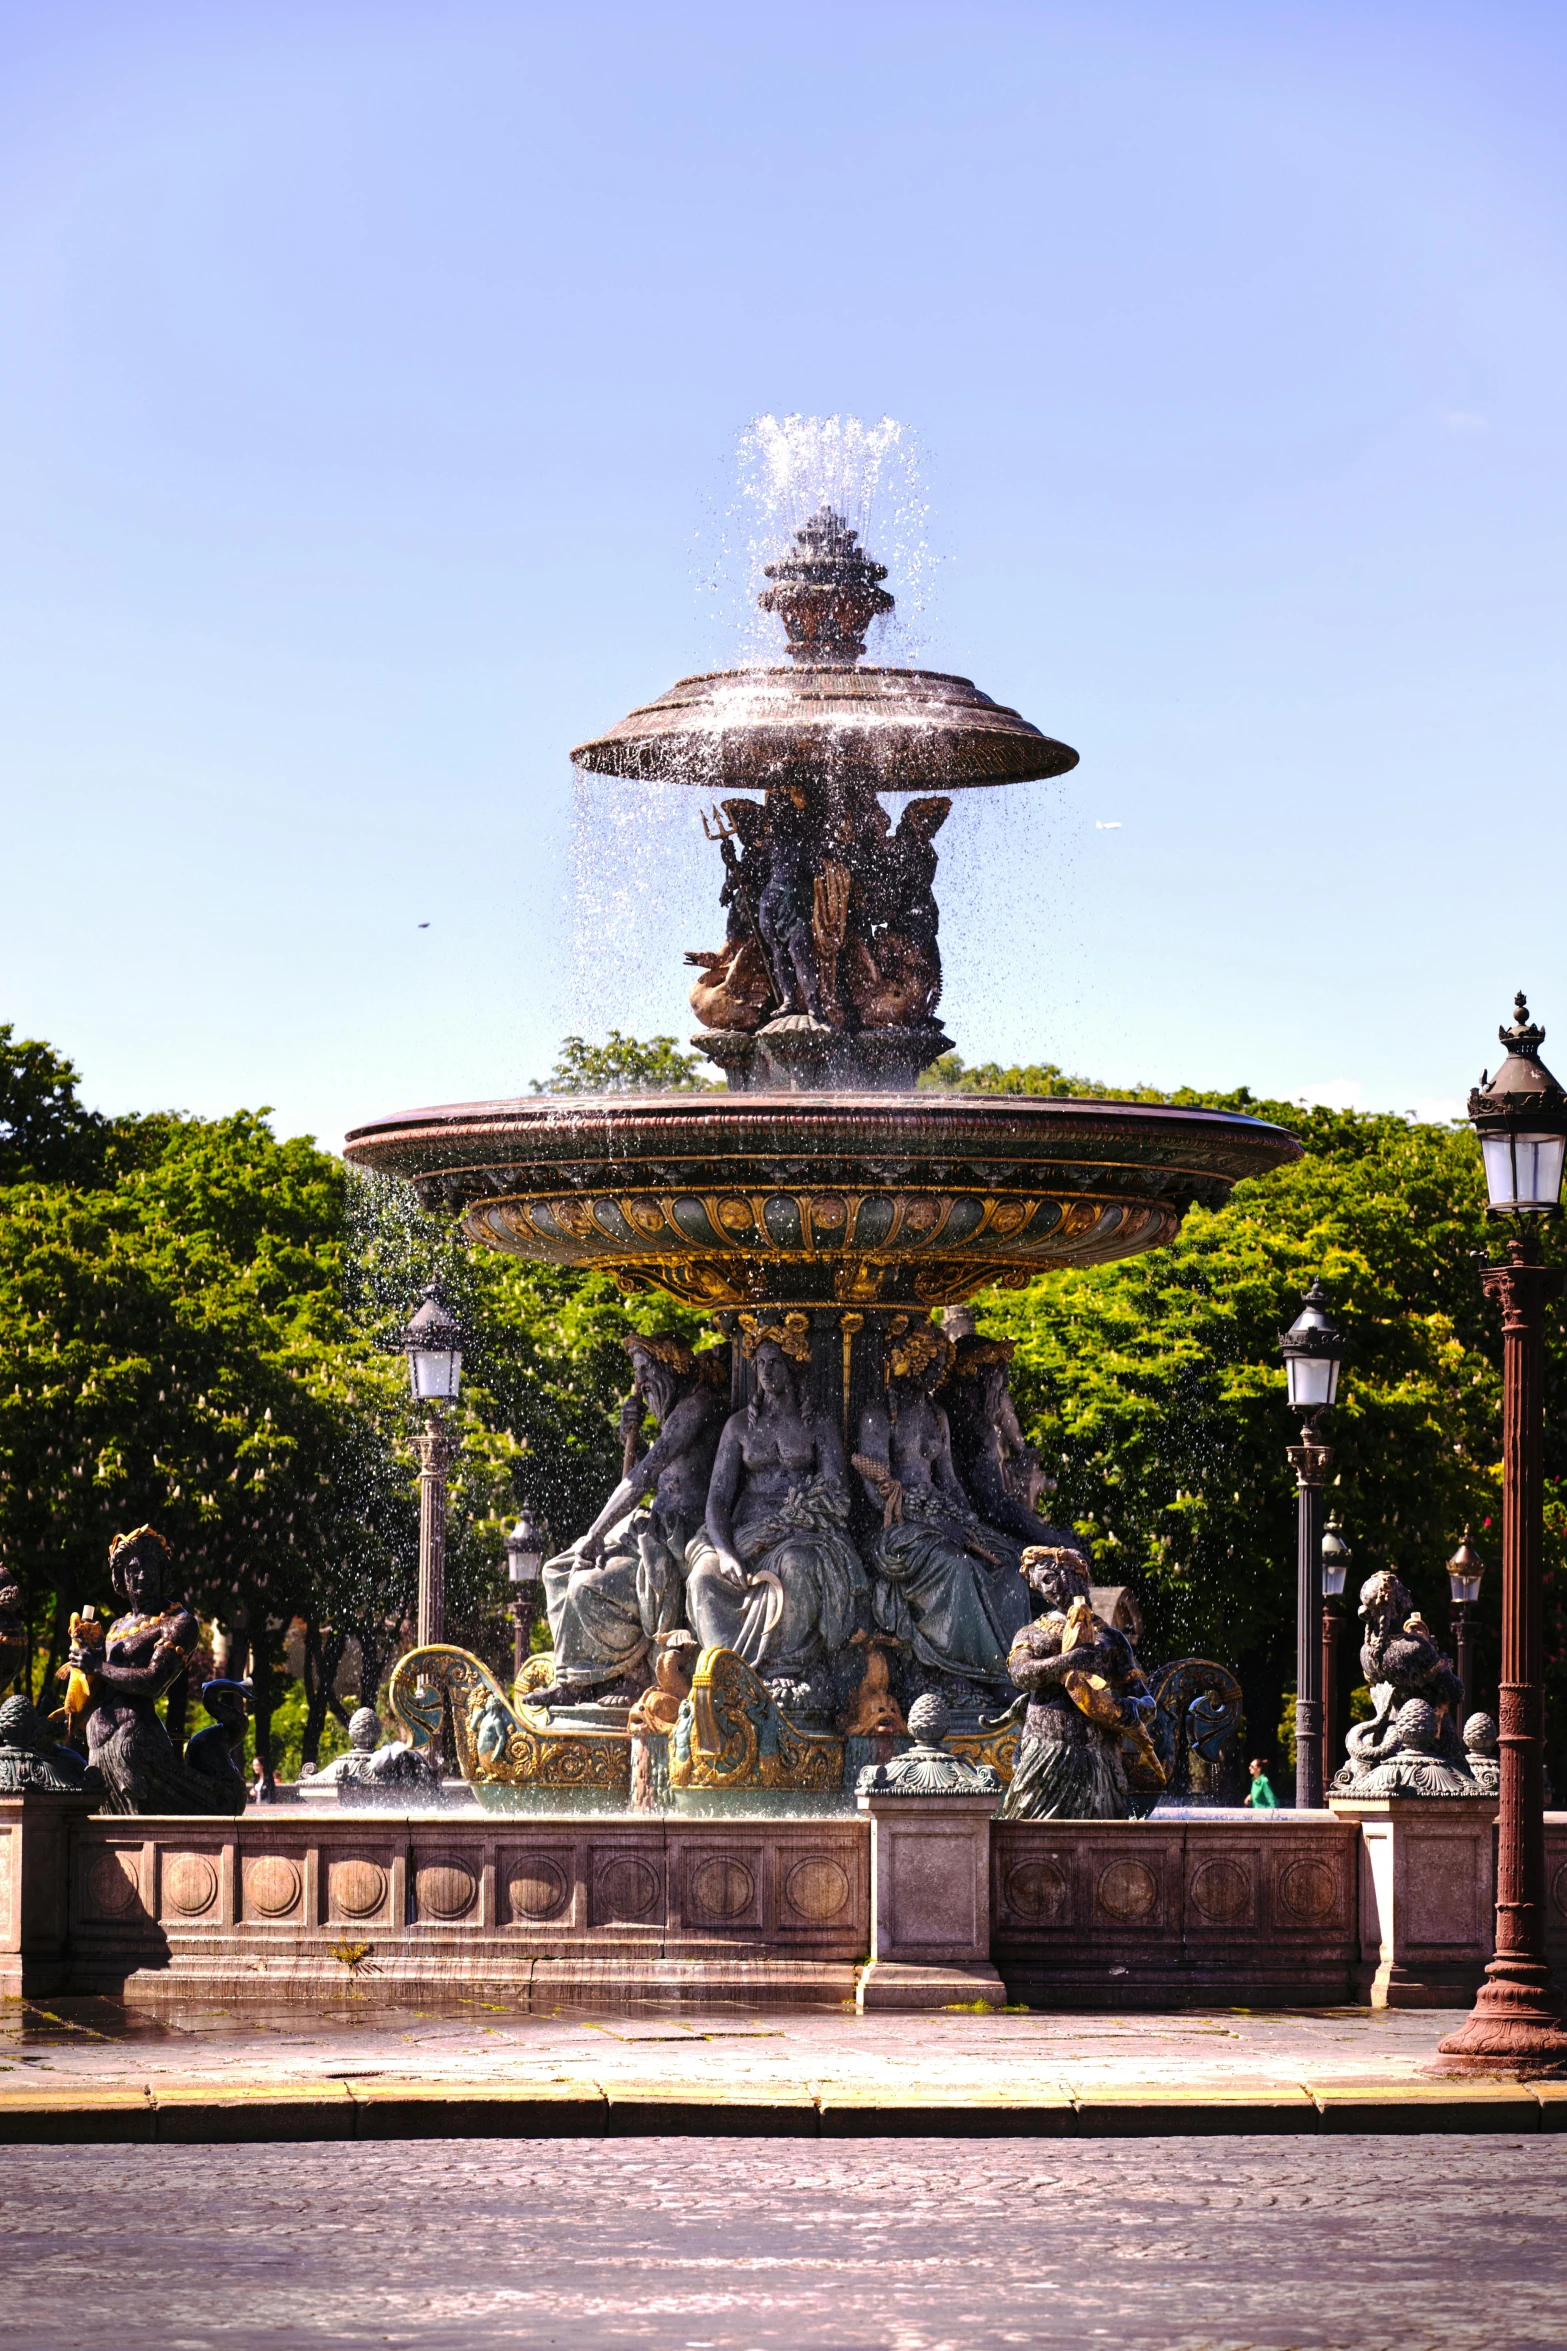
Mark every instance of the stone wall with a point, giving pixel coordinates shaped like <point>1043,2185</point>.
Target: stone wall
<point>1083,1914</point>
<point>1169,1914</point>
<point>280,1902</point>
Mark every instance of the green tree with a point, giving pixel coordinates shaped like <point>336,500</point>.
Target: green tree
<point>1155,1389</point>
<point>624,1065</point>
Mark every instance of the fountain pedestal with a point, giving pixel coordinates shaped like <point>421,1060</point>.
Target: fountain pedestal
<point>930,1903</point>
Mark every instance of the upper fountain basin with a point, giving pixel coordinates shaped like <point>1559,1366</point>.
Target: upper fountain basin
<point>819,1199</point>
<point>893,729</point>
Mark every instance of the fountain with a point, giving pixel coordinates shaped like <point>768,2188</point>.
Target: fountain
<point>823,1210</point>
<point>774,1753</point>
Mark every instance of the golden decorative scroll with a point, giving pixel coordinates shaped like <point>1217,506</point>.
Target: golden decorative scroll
<point>498,1743</point>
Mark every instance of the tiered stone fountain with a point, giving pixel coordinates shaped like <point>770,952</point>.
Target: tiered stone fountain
<point>822,1208</point>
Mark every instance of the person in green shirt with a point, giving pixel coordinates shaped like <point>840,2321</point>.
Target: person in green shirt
<point>1260,1795</point>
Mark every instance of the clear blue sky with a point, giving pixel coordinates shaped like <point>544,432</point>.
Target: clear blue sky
<point>371,369</point>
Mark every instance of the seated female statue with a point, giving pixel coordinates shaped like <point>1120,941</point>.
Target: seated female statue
<point>994,1458</point>
<point>145,1652</point>
<point>623,1583</point>
<point>773,1574</point>
<point>942,1580</point>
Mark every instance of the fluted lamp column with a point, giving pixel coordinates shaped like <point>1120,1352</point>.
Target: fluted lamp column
<point>1312,1351</point>
<point>433,1343</point>
<point>1336,1561</point>
<point>1520,1117</point>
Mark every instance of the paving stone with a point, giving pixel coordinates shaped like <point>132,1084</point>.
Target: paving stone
<point>1181,2244</point>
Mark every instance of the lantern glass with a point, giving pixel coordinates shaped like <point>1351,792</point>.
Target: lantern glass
<point>1523,1173</point>
<point>1313,1381</point>
<point>1464,1587</point>
<point>436,1373</point>
<point>1336,1558</point>
<point>525,1550</point>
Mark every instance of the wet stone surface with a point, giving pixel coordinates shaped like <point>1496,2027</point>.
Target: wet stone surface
<point>685,2245</point>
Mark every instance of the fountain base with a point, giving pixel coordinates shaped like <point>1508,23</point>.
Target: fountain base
<point>797,1055</point>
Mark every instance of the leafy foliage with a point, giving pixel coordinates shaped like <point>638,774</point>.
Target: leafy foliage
<point>1155,1389</point>
<point>624,1065</point>
<point>198,1325</point>
<point>44,1131</point>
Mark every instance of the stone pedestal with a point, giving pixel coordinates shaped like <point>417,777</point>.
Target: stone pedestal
<point>930,1903</point>
<point>1427,1897</point>
<point>35,1878</point>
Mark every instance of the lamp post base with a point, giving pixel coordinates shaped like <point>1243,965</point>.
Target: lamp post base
<point>1515,2020</point>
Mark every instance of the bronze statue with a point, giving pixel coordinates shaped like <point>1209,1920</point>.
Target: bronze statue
<point>1412,1746</point>
<point>145,1652</point>
<point>1086,1698</point>
<point>943,1580</point>
<point>995,1461</point>
<point>832,915</point>
<point>622,1583</point>
<point>773,1574</point>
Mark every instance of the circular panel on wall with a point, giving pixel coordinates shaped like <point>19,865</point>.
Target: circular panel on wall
<point>538,1886</point>
<point>1128,1892</point>
<point>190,1883</point>
<point>1036,1890</point>
<point>1308,1890</point>
<point>626,1887</point>
<point>817,1889</point>
<point>722,1886</point>
<point>272,1885</point>
<point>356,1889</point>
<point>445,1888</point>
<point>1221,1890</point>
<point>114,1883</point>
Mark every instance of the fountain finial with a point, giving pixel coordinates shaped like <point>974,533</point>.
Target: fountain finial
<point>827,593</point>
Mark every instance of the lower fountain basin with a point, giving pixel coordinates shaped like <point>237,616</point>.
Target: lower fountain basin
<point>880,1200</point>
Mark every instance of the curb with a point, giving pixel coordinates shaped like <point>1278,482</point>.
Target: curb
<point>230,2114</point>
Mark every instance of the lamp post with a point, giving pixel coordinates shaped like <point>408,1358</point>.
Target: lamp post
<point>1520,1116</point>
<point>1464,1571</point>
<point>1312,1351</point>
<point>433,1344</point>
<point>525,1549</point>
<point>1336,1560</point>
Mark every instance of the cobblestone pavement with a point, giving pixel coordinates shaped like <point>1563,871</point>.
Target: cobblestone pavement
<point>1446,2244</point>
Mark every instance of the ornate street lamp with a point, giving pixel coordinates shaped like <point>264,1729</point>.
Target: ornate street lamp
<point>1464,1571</point>
<point>433,1343</point>
<point>526,1546</point>
<point>1312,1351</point>
<point>1336,1561</point>
<point>1520,1116</point>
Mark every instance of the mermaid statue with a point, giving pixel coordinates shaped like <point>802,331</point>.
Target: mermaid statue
<point>772,1573</point>
<point>944,1582</point>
